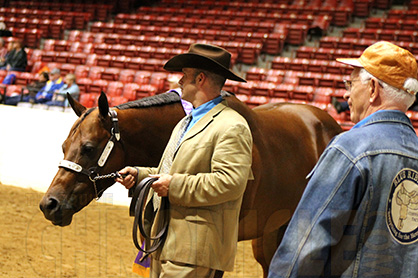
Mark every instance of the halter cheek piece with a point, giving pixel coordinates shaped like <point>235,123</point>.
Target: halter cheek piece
<point>94,172</point>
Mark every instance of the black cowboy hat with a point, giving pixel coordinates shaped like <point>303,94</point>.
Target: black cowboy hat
<point>204,56</point>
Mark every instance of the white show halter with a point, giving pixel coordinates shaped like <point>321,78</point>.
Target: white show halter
<point>93,172</point>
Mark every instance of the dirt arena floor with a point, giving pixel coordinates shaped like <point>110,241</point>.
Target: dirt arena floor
<point>98,243</point>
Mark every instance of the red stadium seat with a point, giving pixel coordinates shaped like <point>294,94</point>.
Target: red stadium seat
<point>67,68</point>
<point>81,71</point>
<point>146,90</point>
<point>158,79</point>
<point>84,84</point>
<point>95,72</point>
<point>114,88</point>
<point>89,100</point>
<point>101,48</point>
<point>302,93</point>
<point>135,63</point>
<point>62,57</point>
<point>104,60</point>
<point>282,91</point>
<point>111,74</point>
<point>48,56</point>
<point>114,101</point>
<point>130,91</point>
<point>13,90</point>
<point>98,86</point>
<point>77,58</point>
<point>24,78</point>
<point>127,76</point>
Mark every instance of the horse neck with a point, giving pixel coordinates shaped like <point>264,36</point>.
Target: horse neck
<point>146,131</point>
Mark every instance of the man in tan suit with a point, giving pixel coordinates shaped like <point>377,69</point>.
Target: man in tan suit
<point>207,176</point>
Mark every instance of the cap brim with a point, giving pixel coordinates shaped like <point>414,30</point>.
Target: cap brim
<point>350,61</point>
<point>191,60</point>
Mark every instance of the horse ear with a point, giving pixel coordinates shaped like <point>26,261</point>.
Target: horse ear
<point>103,105</point>
<point>75,105</point>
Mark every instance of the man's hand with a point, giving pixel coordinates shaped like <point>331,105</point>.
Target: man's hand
<point>162,184</point>
<point>129,176</point>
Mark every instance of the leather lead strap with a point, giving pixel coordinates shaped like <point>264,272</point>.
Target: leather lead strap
<point>137,208</point>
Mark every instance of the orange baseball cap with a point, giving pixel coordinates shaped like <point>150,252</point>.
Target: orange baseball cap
<point>387,62</point>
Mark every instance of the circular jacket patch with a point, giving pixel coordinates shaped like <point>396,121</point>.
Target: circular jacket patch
<point>402,207</point>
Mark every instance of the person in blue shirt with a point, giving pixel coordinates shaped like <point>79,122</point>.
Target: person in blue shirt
<point>54,83</point>
<point>358,216</point>
<point>59,97</point>
<point>203,172</point>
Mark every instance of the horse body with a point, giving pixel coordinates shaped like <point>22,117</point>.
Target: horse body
<point>288,140</point>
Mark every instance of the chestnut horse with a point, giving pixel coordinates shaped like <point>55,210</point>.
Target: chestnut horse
<point>288,140</point>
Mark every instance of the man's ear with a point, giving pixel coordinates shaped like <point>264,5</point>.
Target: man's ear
<point>374,90</point>
<point>201,77</point>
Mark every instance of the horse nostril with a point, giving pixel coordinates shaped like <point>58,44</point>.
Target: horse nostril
<point>50,205</point>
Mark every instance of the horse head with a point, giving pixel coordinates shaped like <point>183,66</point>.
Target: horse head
<point>84,173</point>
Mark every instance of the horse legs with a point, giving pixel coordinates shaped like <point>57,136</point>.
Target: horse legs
<point>257,245</point>
<point>265,246</point>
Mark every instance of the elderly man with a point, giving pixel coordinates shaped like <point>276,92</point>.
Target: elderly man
<point>54,83</point>
<point>358,214</point>
<point>204,176</point>
<point>59,97</point>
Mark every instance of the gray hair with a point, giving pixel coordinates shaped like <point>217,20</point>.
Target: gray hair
<point>411,85</point>
<point>391,94</point>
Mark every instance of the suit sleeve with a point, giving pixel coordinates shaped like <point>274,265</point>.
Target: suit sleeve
<point>144,172</point>
<point>230,169</point>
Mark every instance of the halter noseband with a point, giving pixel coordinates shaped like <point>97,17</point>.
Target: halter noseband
<point>93,172</point>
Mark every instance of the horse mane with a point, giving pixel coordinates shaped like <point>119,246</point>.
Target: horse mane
<point>157,100</point>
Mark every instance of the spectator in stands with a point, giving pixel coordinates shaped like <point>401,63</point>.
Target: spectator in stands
<point>339,106</point>
<point>3,51</point>
<point>16,58</point>
<point>30,91</point>
<point>54,83</point>
<point>59,97</point>
<point>357,215</point>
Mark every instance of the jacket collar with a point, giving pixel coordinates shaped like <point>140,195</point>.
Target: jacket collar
<point>206,120</point>
<point>385,116</point>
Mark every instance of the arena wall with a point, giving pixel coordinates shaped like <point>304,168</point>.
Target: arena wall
<point>30,149</point>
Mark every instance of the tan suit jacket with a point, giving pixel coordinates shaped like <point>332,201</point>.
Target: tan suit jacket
<point>210,172</point>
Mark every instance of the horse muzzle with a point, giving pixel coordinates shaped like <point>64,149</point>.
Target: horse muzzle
<point>55,211</point>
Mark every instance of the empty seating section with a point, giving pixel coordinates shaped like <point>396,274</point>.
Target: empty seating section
<point>98,11</point>
<point>341,11</point>
<point>113,48</point>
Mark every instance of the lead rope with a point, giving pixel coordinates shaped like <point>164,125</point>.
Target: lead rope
<point>137,209</point>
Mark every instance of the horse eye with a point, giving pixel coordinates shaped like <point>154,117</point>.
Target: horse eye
<point>87,150</point>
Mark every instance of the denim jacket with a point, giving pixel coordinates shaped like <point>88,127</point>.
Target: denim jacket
<point>358,216</point>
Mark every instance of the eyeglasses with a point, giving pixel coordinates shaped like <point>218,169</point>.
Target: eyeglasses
<point>348,84</point>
